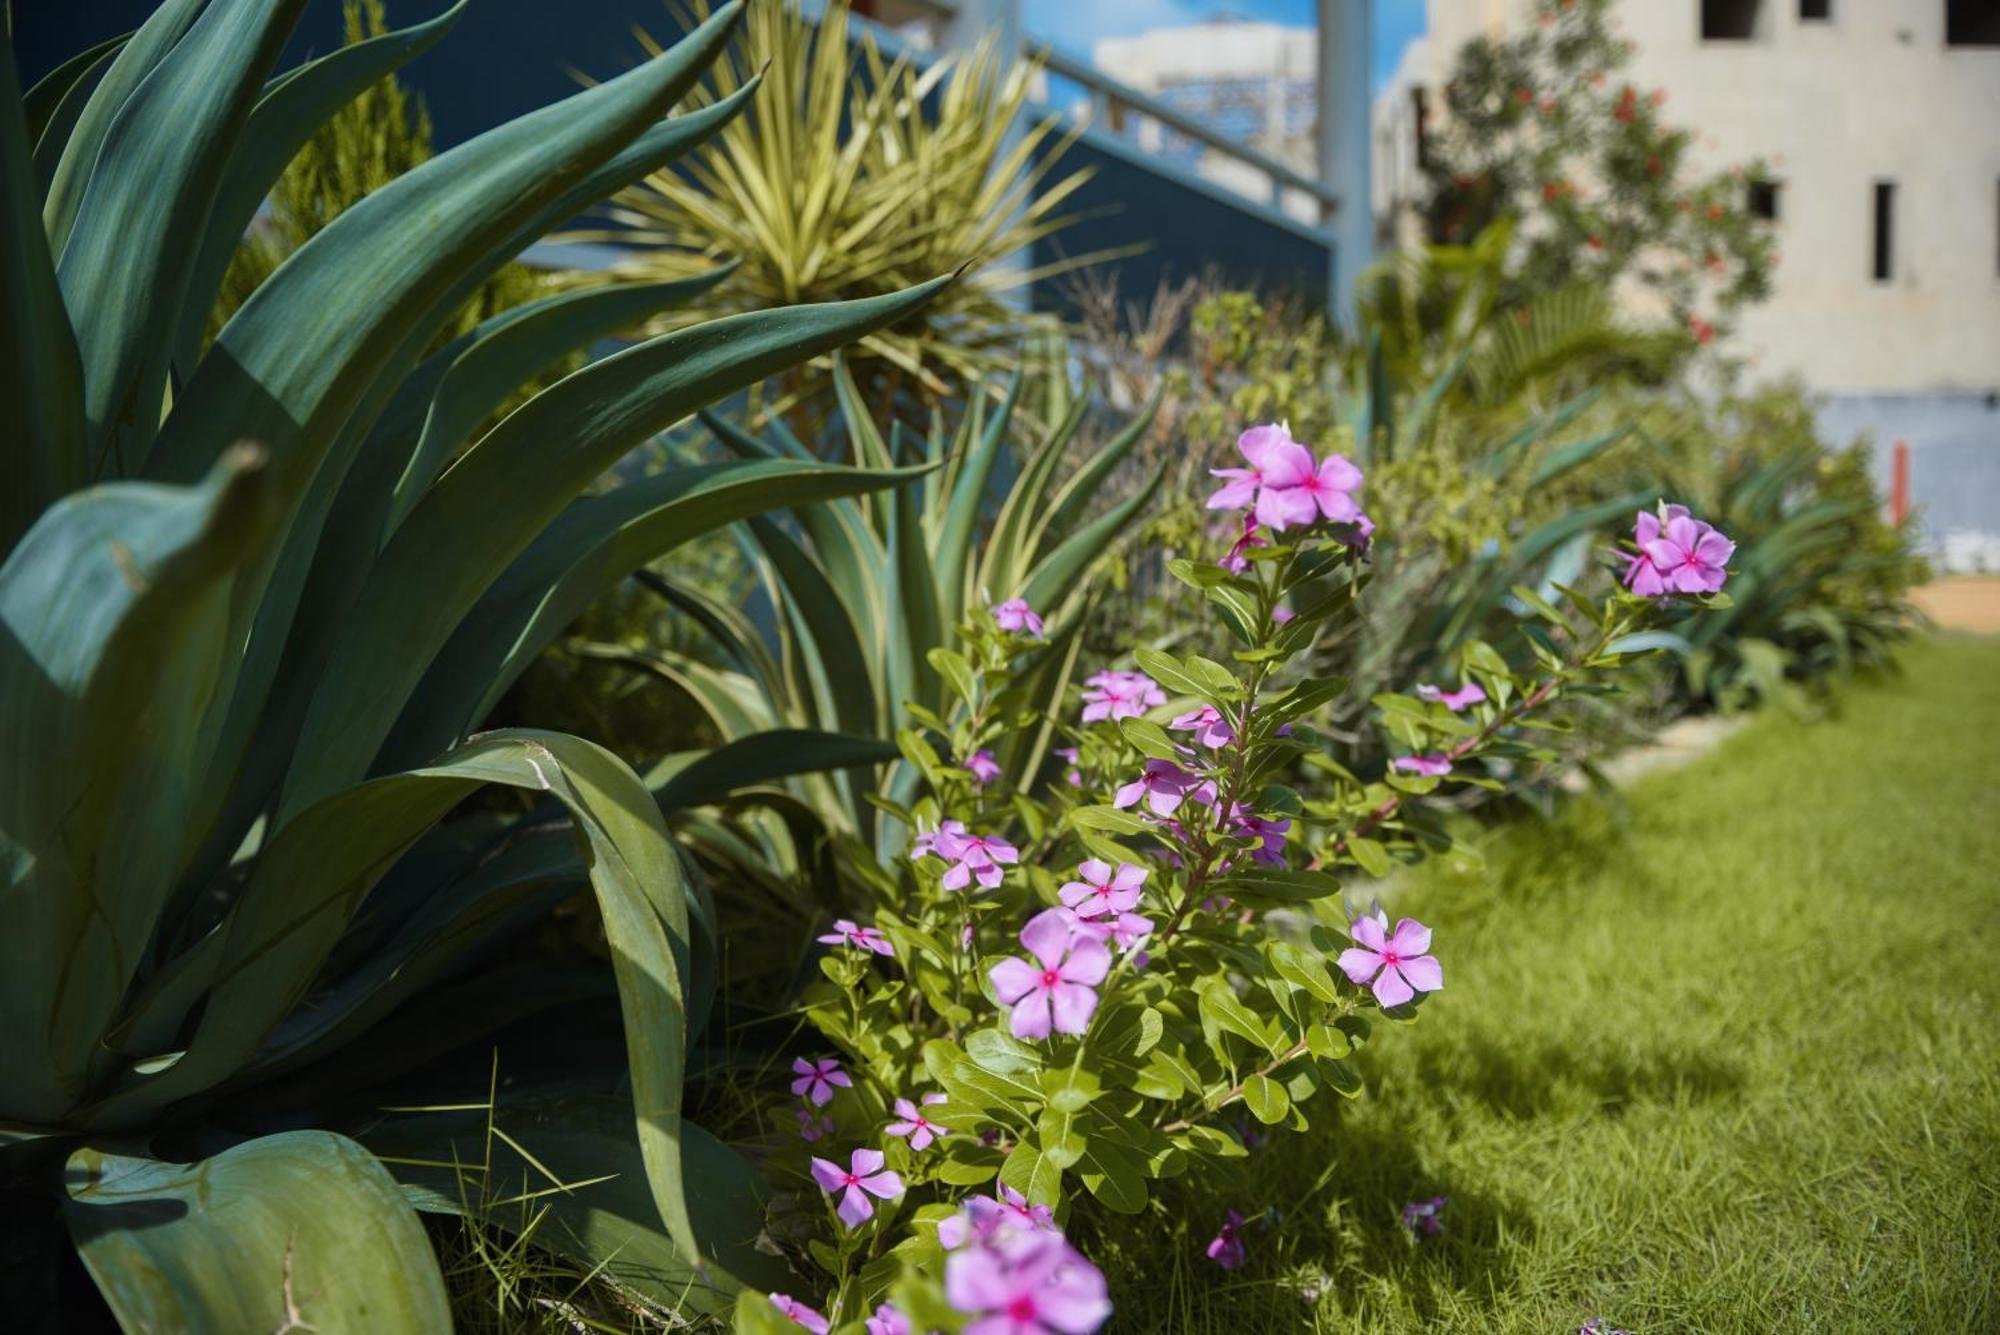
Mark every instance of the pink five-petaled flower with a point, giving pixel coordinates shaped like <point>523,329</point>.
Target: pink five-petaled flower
<point>1323,492</point>
<point>1099,890</point>
<point>1237,559</point>
<point>1057,991</point>
<point>998,1220</point>
<point>926,843</point>
<point>1116,695</point>
<point>983,768</point>
<point>1243,485</point>
<point>1071,776</point>
<point>1456,701</point>
<point>812,1126</point>
<point>1016,616</point>
<point>799,1313</point>
<point>914,1126</point>
<point>1207,725</point>
<point>1126,929</point>
<point>861,938</point>
<point>1271,833</point>
<point>817,1078</point>
<point>1164,786</point>
<point>1393,964</point>
<point>1433,764</point>
<point>888,1321</point>
<point>973,857</point>
<point>1039,1285</point>
<point>1689,556</point>
<point>1641,576</point>
<point>862,1178</point>
<point>1226,1247</point>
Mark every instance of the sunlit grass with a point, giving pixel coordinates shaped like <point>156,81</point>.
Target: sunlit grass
<point>1723,1060</point>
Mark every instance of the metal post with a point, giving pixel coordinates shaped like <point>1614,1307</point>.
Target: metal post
<point>1344,144</point>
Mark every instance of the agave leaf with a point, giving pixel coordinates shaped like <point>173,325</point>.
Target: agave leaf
<point>113,613</point>
<point>1007,555</point>
<point>285,117</point>
<point>1076,495</point>
<point>299,1231</point>
<point>827,636</point>
<point>53,88</point>
<point>493,503</point>
<point>130,254</point>
<point>968,495</point>
<point>49,129</point>
<point>39,370</point>
<point>727,625</point>
<point>698,777</point>
<point>913,625</point>
<point>1059,571</point>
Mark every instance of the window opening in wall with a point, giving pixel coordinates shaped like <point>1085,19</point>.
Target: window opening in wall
<point>1885,218</point>
<point>1815,11</point>
<point>1729,20</point>
<point>1972,22</point>
<point>1762,201</point>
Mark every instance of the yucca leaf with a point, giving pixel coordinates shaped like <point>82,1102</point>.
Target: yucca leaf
<point>299,1231</point>
<point>1060,569</point>
<point>49,129</point>
<point>114,611</point>
<point>968,494</point>
<point>53,88</point>
<point>707,776</point>
<point>510,484</point>
<point>914,623</point>
<point>592,545</point>
<point>130,255</point>
<point>1076,495</point>
<point>40,374</point>
<point>1007,555</point>
<point>827,638</point>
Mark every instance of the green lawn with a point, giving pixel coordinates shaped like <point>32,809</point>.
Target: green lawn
<point>1727,1059</point>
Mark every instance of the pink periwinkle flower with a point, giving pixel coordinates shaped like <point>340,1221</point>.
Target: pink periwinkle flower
<point>1226,1247</point>
<point>1017,617</point>
<point>1207,725</point>
<point>799,1313</point>
<point>1243,485</point>
<point>1058,991</point>
<point>1281,614</point>
<point>1040,1285</point>
<point>1071,776</point>
<point>973,857</point>
<point>817,1078</point>
<point>1395,965</point>
<point>1126,930</point>
<point>1237,559</point>
<point>983,768</point>
<point>1432,764</point>
<point>1116,695</point>
<point>812,1126</point>
<point>1163,786</point>
<point>1456,701</point>
<point>998,1220</point>
<point>926,843</point>
<point>888,1321</point>
<point>1271,833</point>
<point>862,1178</point>
<point>1100,889</point>
<point>1422,1217</point>
<point>912,1125</point>
<point>1677,554</point>
<point>861,938</point>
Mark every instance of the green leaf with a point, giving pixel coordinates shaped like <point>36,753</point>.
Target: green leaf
<point>1048,581</point>
<point>1303,969</point>
<point>780,753</point>
<point>1368,854</point>
<point>1221,1006</point>
<point>1281,886</point>
<point>303,1230</point>
<point>1266,1099</point>
<point>956,672</point>
<point>1109,819</point>
<point>39,106</point>
<point>1032,1173</point>
<point>1113,1174</point>
<point>1149,739</point>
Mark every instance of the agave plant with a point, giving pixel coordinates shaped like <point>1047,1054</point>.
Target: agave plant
<point>256,599</point>
<point>853,174</point>
<point>870,593</point>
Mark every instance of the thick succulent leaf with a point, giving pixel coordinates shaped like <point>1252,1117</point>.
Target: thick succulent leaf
<point>592,545</point>
<point>137,59</point>
<point>1057,574</point>
<point>698,777</point>
<point>914,625</point>
<point>827,637</point>
<point>49,134</point>
<point>496,500</point>
<point>131,250</point>
<point>53,88</point>
<point>304,350</point>
<point>1007,556</point>
<point>1074,499</point>
<point>285,117</point>
<point>605,1218</point>
<point>43,453</point>
<point>317,869</point>
<point>968,495</point>
<point>299,1231</point>
<point>726,624</point>
<point>114,612</point>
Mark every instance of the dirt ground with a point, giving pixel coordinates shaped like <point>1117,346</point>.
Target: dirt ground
<point>1964,602</point>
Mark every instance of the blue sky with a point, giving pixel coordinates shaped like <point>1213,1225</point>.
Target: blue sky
<point>1075,24</point>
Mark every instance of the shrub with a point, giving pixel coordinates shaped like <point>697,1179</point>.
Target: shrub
<point>251,621</point>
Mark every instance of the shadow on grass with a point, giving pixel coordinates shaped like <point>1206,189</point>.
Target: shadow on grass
<point>1526,1081</point>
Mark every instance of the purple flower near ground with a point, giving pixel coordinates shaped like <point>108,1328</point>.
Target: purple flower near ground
<point>1099,889</point>
<point>1689,556</point>
<point>1058,991</point>
<point>973,857</point>
<point>1071,776</point>
<point>1456,701</point>
<point>1422,1217</point>
<point>1434,764</point>
<point>1164,786</point>
<point>1395,965</point>
<point>799,1313</point>
<point>861,938</point>
<point>1207,725</point>
<point>1272,833</point>
<point>862,1178</point>
<point>1116,695</point>
<point>888,1321</point>
<point>812,1126</point>
<point>1226,1247</point>
<point>913,1126</point>
<point>983,768</point>
<point>1039,1285</point>
<point>817,1078</point>
<point>1017,617</point>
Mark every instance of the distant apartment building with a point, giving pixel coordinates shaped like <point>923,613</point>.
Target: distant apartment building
<point>1880,120</point>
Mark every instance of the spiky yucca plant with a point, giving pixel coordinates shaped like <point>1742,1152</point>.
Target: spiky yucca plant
<point>256,597</point>
<point>851,175</point>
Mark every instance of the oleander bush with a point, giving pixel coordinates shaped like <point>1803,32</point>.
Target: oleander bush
<point>259,595</point>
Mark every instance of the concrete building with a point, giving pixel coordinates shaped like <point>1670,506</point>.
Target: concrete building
<point>1881,119</point>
